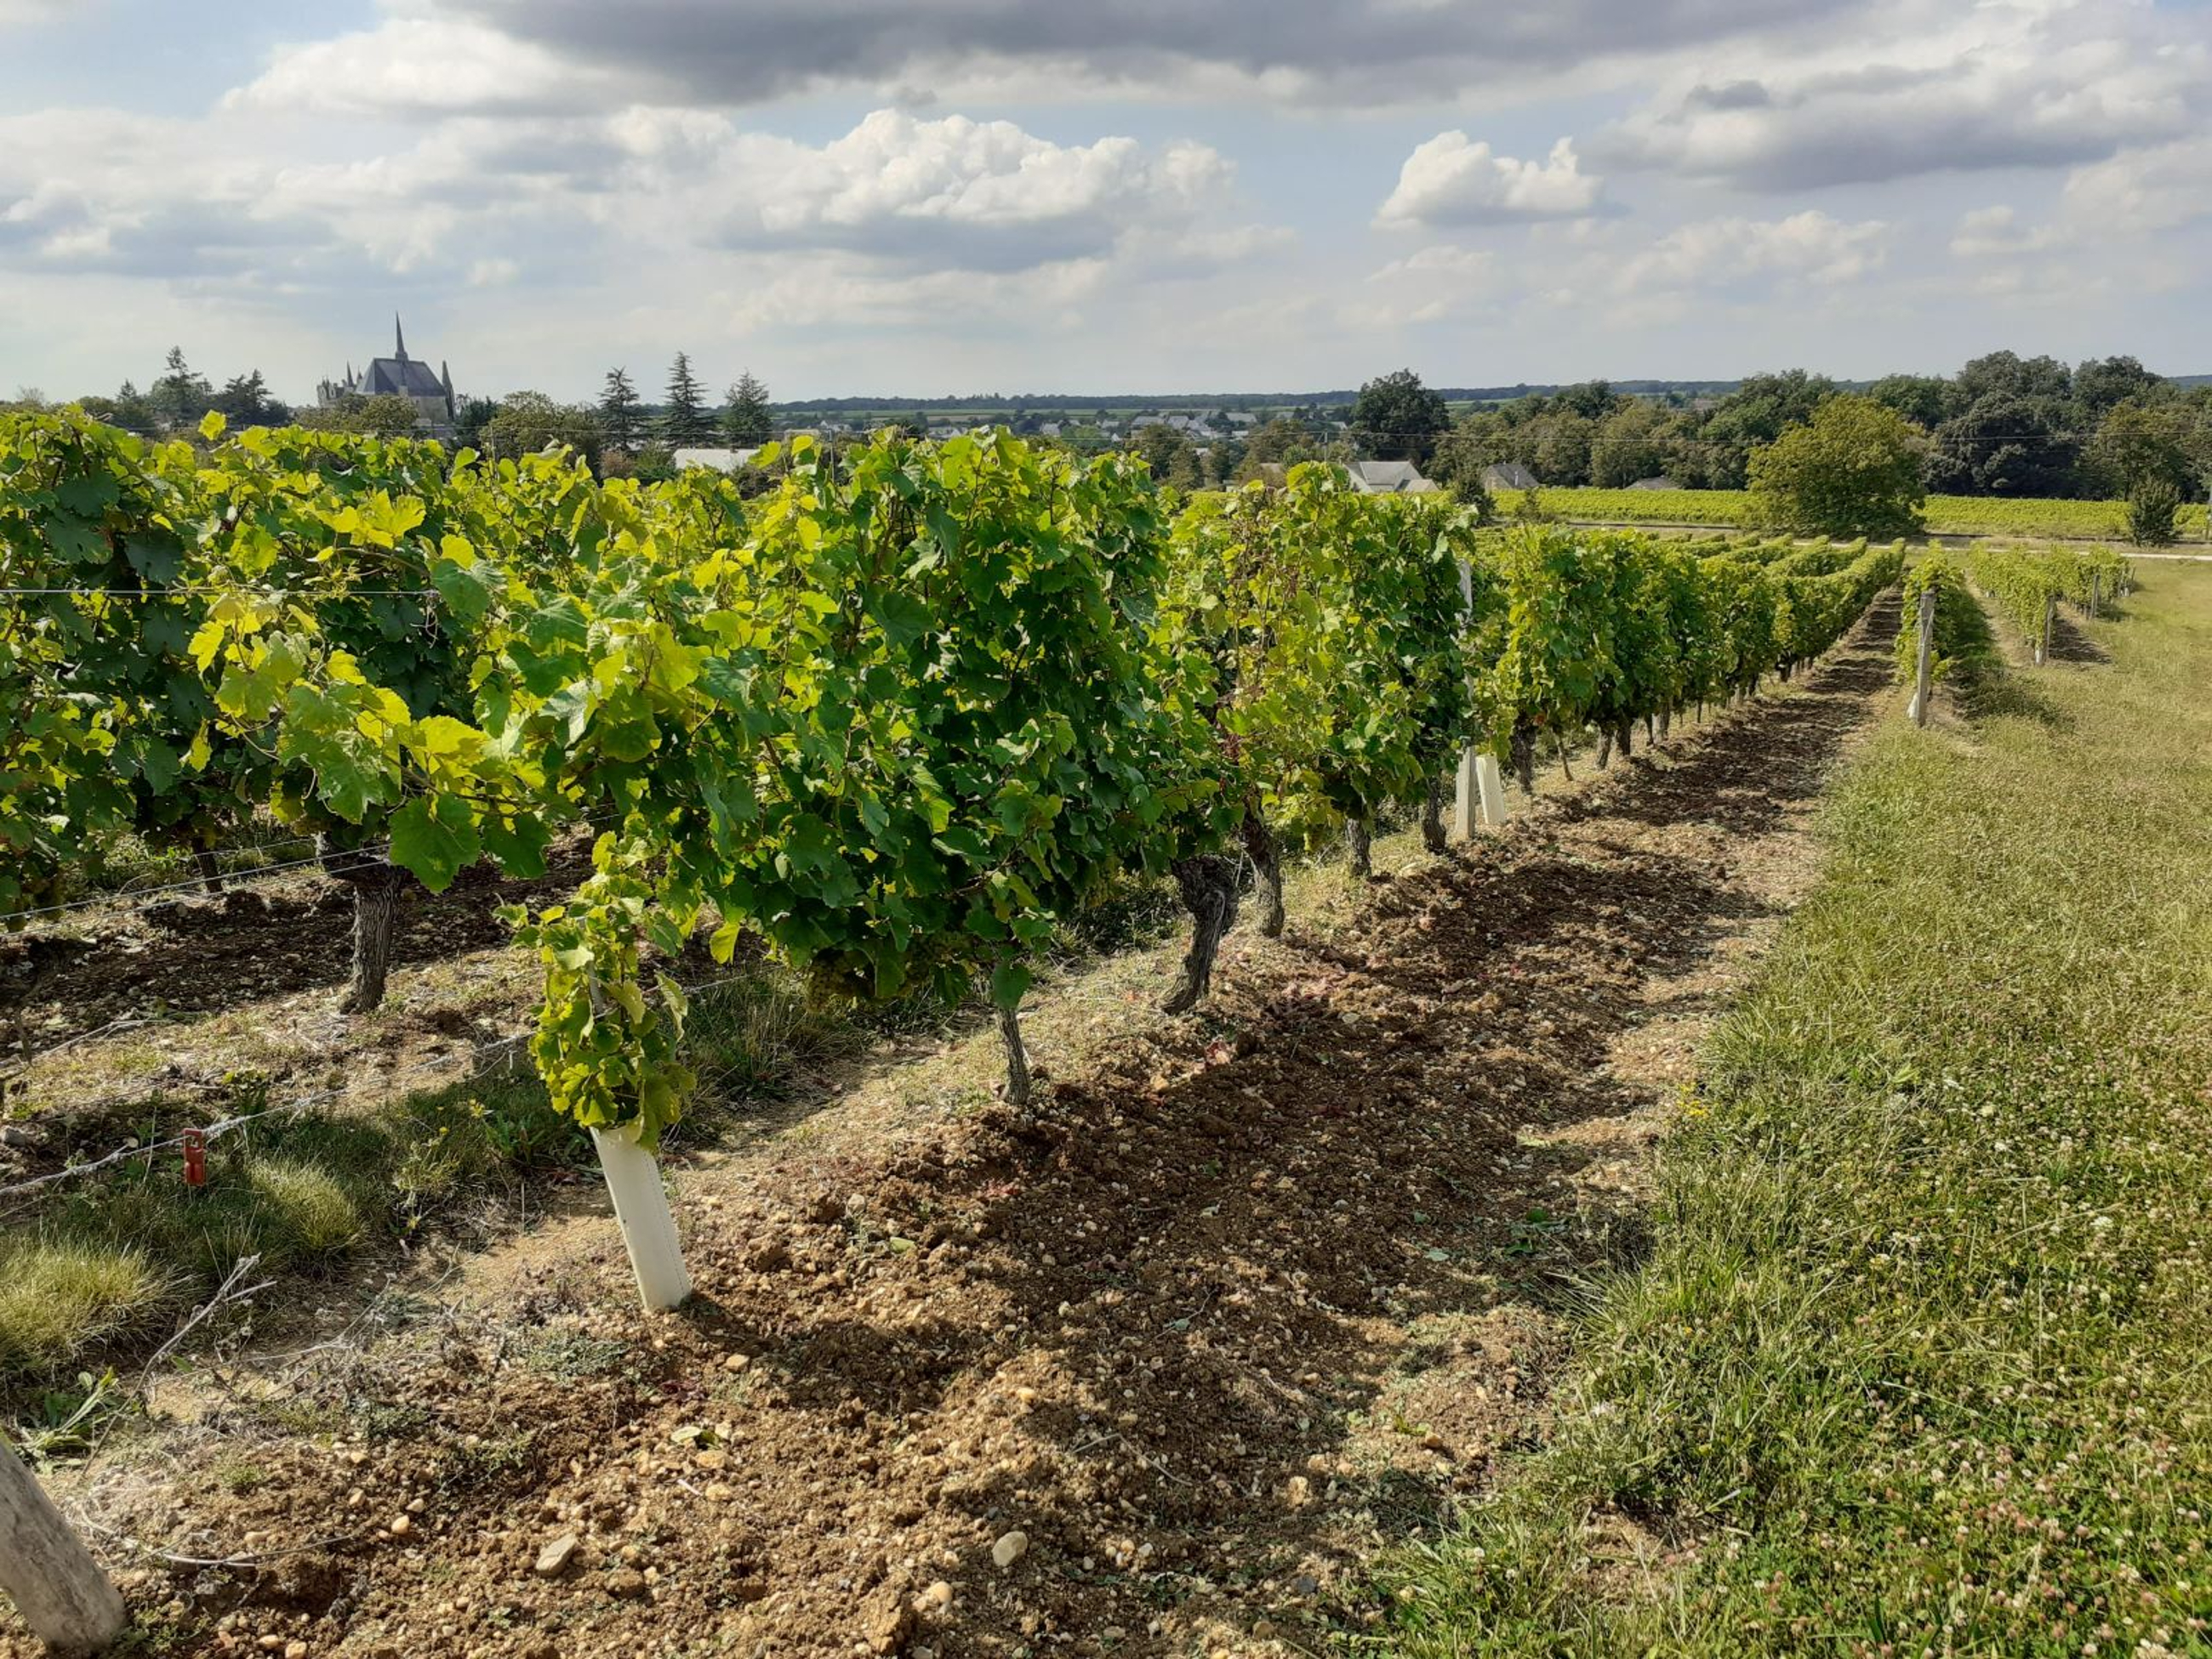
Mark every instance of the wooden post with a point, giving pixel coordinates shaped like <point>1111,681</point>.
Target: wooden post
<point>642,1211</point>
<point>2096,588</point>
<point>1923,658</point>
<point>2043,639</point>
<point>68,1601</point>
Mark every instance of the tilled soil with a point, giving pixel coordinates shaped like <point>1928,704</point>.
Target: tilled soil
<point>1149,1368</point>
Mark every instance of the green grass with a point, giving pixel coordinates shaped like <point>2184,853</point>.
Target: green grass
<point>56,1296</point>
<point>1947,515</point>
<point>1916,1363</point>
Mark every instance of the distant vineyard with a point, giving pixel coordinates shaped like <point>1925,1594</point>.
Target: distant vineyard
<point>896,720</point>
<point>1947,515</point>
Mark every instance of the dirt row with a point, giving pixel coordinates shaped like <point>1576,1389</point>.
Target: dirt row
<point>1153,1368</point>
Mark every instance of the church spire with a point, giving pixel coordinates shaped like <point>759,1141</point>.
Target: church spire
<point>398,339</point>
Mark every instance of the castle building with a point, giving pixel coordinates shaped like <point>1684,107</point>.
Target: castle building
<point>401,376</point>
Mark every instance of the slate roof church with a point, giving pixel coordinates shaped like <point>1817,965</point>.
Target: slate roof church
<point>400,376</point>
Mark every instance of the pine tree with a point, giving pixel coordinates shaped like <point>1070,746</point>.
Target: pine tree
<point>180,397</point>
<point>685,421</point>
<point>747,419</point>
<point>619,420</point>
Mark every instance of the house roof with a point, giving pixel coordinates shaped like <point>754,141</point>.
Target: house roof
<point>1389,478</point>
<point>1508,475</point>
<point>1662,481</point>
<point>400,375</point>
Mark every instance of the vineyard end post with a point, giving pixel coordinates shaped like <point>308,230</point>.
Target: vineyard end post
<point>2050,620</point>
<point>648,1229</point>
<point>1923,658</point>
<point>65,1598</point>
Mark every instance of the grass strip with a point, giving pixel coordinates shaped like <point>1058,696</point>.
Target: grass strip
<point>1916,1363</point>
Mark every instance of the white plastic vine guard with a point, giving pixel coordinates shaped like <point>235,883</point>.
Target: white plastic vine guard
<point>648,1229</point>
<point>1479,793</point>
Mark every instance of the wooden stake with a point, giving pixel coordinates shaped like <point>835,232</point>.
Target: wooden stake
<point>648,1229</point>
<point>1923,658</point>
<point>2043,639</point>
<point>69,1604</point>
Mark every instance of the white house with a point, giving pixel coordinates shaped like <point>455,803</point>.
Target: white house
<point>1509,474</point>
<point>716,460</point>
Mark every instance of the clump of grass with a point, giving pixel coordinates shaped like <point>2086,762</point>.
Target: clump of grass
<point>307,1208</point>
<point>60,1297</point>
<point>1916,1363</point>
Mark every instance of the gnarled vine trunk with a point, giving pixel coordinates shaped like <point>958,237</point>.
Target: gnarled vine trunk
<point>1604,749</point>
<point>1360,847</point>
<point>1432,816</point>
<point>378,886</point>
<point>211,871</point>
<point>1207,884</point>
<point>1666,718</point>
<point>1267,872</point>
<point>1523,746</point>
<point>1623,739</point>
<point>1017,1057</point>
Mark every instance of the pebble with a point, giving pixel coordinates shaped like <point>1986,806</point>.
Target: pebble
<point>400,1527</point>
<point>553,1560</point>
<point>1010,1549</point>
<point>936,1601</point>
<point>736,1362</point>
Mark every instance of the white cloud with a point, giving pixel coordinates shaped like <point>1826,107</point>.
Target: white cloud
<point>1452,180</point>
<point>425,65</point>
<point>1997,232</point>
<point>1428,286</point>
<point>2144,191</point>
<point>2047,83</point>
<point>1724,253</point>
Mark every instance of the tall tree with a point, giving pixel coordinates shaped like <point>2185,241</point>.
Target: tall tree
<point>180,396</point>
<point>2005,445</point>
<point>1396,418</point>
<point>745,419</point>
<point>529,423</point>
<point>620,418</point>
<point>1853,470</point>
<point>685,421</point>
<point>245,401</point>
<point>2103,385</point>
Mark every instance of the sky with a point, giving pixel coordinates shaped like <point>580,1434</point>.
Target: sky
<point>915,197</point>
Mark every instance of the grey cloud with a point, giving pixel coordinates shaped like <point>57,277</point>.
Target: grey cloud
<point>2009,88</point>
<point>1365,50</point>
<point>1737,94</point>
